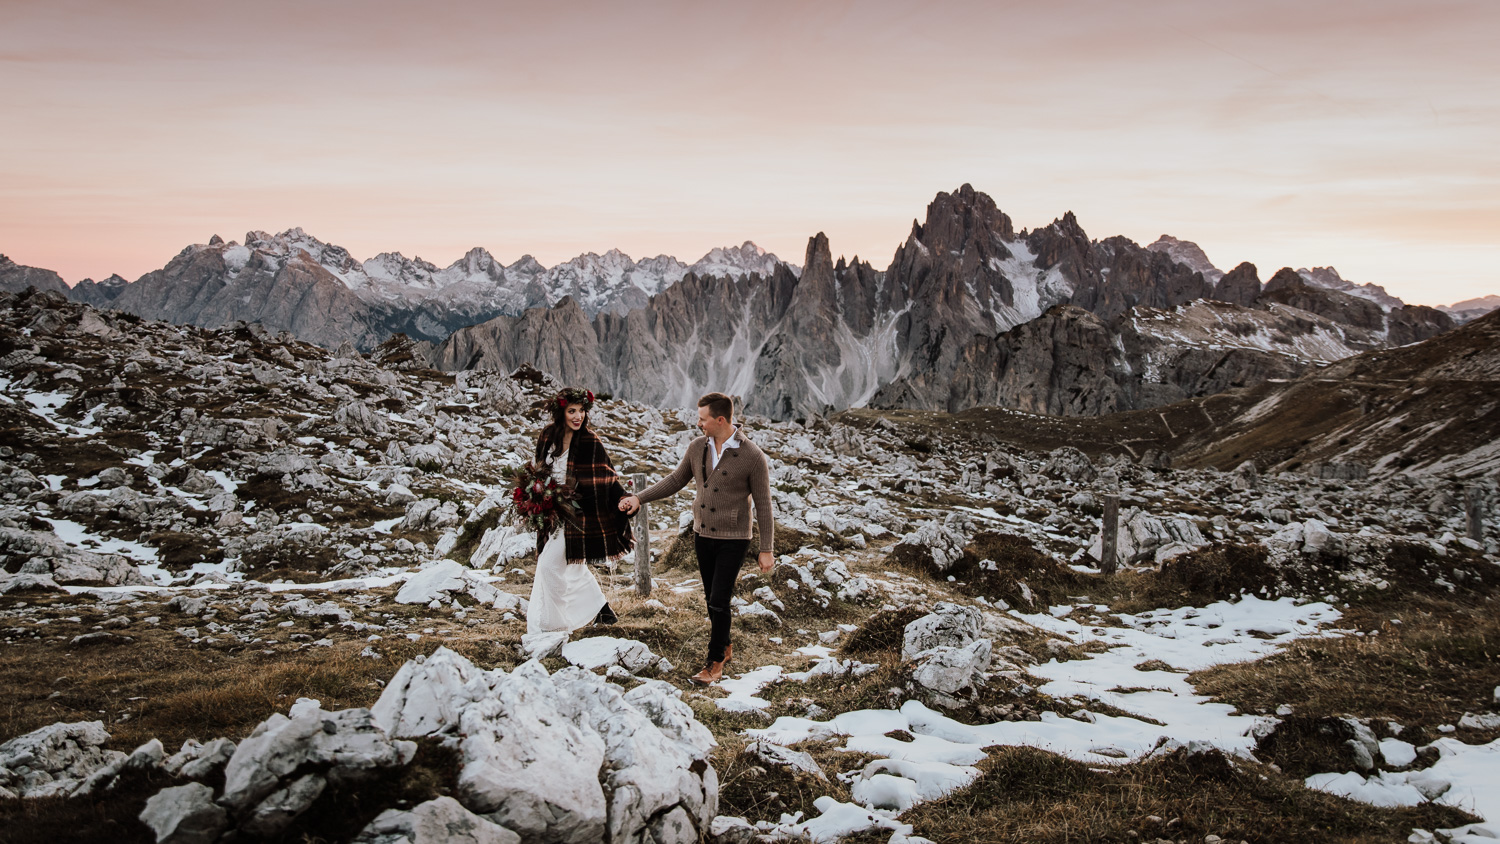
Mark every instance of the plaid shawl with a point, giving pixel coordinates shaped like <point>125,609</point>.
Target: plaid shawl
<point>602,532</point>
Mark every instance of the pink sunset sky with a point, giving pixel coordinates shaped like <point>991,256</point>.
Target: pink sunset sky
<point>1360,135</point>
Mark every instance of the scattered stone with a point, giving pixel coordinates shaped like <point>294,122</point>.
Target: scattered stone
<point>948,625</point>
<point>56,760</point>
<point>441,820</point>
<point>185,814</point>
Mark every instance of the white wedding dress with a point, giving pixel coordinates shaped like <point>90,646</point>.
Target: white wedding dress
<point>563,596</point>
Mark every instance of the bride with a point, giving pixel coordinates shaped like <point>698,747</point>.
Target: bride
<point>564,594</point>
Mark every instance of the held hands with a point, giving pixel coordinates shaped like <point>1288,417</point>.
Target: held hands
<point>629,504</point>
<point>767,562</point>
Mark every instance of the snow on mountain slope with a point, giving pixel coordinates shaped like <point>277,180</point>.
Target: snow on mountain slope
<point>1033,290</point>
<point>1219,326</point>
<point>740,261</point>
<point>1329,277</point>
<point>476,282</point>
<point>1189,254</point>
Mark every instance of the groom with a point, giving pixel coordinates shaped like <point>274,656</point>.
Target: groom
<point>729,472</point>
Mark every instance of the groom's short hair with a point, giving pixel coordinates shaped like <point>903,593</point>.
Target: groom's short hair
<point>718,404</point>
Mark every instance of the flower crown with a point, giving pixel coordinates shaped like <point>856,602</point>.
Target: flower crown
<point>576,396</point>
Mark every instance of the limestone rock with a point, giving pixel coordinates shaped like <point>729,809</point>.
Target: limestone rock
<point>948,625</point>
<point>185,814</point>
<point>441,820</point>
<point>56,760</point>
<point>428,697</point>
<point>945,673</point>
<point>604,651</point>
<point>543,645</point>
<point>564,757</point>
<point>265,769</point>
<point>441,581</point>
<point>47,556</point>
<point>197,761</point>
<point>768,753</point>
<point>942,545</point>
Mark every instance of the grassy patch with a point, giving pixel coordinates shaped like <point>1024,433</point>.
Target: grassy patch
<point>160,685</point>
<point>1028,795</point>
<point>1195,579</point>
<point>882,632</point>
<point>1421,666</point>
<point>753,790</point>
<point>996,565</point>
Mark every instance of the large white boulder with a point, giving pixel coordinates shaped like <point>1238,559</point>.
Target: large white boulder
<point>1141,535</point>
<point>948,625</point>
<point>604,651</point>
<point>444,579</point>
<point>943,544</point>
<point>441,820</point>
<point>566,757</point>
<point>426,697</point>
<point>266,784</point>
<point>56,760</point>
<point>501,544</point>
<point>185,814</point>
<point>528,766</point>
<point>949,674</point>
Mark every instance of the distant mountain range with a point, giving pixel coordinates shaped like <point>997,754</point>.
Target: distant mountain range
<point>295,282</point>
<point>969,311</point>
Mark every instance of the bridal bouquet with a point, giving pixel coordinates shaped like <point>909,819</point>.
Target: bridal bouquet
<point>539,502</point>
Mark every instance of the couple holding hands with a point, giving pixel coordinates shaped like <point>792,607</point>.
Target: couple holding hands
<point>729,472</point>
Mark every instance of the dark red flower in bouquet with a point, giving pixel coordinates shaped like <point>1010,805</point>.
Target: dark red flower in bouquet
<point>539,501</point>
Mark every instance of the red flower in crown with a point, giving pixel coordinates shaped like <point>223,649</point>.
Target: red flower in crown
<point>573,395</point>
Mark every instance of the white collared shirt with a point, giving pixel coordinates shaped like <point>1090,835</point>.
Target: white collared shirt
<point>732,442</point>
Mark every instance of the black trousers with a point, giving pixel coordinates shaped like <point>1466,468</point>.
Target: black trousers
<point>719,562</point>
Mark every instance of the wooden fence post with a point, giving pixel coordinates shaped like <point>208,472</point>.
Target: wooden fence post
<point>1109,534</point>
<point>642,528</point>
<point>1474,510</point>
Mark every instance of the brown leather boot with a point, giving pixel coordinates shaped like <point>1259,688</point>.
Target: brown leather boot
<point>712,673</point>
<point>728,652</point>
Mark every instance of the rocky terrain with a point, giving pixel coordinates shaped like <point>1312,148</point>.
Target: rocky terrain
<point>254,589</point>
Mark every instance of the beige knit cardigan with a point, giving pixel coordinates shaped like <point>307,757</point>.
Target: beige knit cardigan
<point>721,503</point>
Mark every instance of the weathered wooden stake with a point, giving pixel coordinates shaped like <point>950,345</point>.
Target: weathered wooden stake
<point>1109,534</point>
<point>1474,509</point>
<point>642,529</point>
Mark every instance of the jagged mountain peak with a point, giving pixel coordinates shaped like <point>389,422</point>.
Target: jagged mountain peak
<point>1189,254</point>
<point>953,218</point>
<point>1328,277</point>
<point>738,262</point>
<point>1067,226</point>
<point>1469,308</point>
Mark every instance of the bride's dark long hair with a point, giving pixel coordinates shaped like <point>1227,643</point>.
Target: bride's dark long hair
<point>550,441</point>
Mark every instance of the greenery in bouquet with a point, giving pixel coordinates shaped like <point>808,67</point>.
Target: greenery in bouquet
<point>538,502</point>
